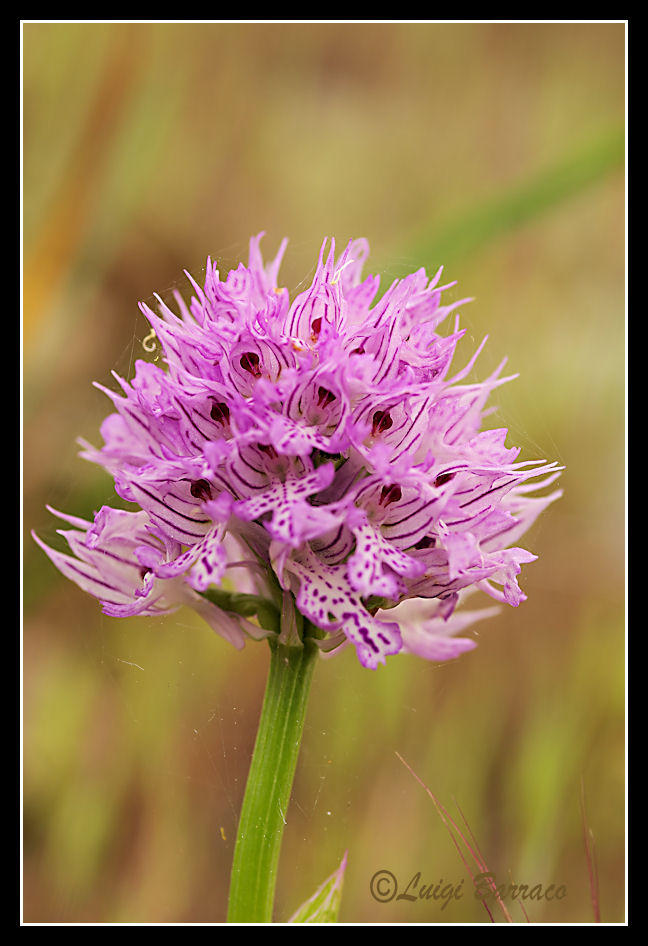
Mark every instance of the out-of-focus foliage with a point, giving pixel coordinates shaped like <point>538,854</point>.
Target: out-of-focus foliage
<point>148,147</point>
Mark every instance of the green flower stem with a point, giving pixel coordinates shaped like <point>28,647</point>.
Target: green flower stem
<point>263,816</point>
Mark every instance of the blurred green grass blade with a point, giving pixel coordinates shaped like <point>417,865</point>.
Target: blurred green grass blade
<point>525,201</point>
<point>324,905</point>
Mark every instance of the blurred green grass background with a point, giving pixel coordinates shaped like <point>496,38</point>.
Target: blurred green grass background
<point>493,148</point>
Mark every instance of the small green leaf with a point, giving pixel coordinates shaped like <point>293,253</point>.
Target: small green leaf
<point>324,905</point>
<point>373,603</point>
<point>247,606</point>
<point>268,616</point>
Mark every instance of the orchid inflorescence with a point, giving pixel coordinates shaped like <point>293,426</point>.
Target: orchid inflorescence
<point>317,453</point>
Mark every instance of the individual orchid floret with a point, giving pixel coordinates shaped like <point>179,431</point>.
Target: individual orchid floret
<point>324,451</point>
<point>119,560</point>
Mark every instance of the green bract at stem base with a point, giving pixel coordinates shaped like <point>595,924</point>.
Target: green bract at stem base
<point>270,779</point>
